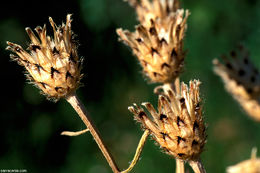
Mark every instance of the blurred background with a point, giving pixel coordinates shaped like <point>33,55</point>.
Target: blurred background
<point>30,126</point>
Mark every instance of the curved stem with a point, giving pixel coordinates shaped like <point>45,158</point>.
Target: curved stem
<point>138,151</point>
<point>197,166</point>
<point>180,166</point>
<point>80,109</point>
<point>77,133</point>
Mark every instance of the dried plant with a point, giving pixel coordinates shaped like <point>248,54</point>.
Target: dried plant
<point>158,39</point>
<point>178,125</point>
<point>52,64</point>
<point>158,44</point>
<point>242,80</point>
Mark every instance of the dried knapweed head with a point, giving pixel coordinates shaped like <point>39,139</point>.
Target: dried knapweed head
<point>52,64</point>
<point>248,166</point>
<point>158,40</point>
<point>178,125</point>
<point>241,79</point>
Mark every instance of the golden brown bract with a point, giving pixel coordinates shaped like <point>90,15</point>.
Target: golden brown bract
<point>158,40</point>
<point>178,125</point>
<point>241,79</point>
<point>161,10</point>
<point>52,64</point>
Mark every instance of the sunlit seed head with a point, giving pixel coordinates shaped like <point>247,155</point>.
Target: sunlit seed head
<point>158,40</point>
<point>178,125</point>
<point>52,63</point>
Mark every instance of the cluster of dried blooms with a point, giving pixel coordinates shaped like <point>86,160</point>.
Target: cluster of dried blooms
<point>177,125</point>
<point>157,43</point>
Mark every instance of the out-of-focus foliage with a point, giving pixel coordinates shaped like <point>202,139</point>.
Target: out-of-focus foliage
<point>31,125</point>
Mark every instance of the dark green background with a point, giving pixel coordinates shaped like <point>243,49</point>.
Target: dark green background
<point>30,125</point>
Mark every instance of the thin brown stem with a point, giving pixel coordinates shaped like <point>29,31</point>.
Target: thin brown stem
<point>197,166</point>
<point>180,166</point>
<point>138,151</point>
<point>80,109</point>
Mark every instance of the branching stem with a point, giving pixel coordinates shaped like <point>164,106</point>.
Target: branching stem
<point>80,109</point>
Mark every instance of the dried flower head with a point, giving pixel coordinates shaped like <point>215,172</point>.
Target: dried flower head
<point>241,79</point>
<point>248,166</point>
<point>178,125</point>
<point>52,64</point>
<point>158,40</point>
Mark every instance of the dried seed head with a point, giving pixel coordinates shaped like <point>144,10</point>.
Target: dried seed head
<point>241,79</point>
<point>248,166</point>
<point>52,64</point>
<point>158,40</point>
<point>178,125</point>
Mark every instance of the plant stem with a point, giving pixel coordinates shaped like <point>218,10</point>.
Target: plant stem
<point>77,133</point>
<point>179,166</point>
<point>80,109</point>
<point>197,166</point>
<point>138,151</point>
